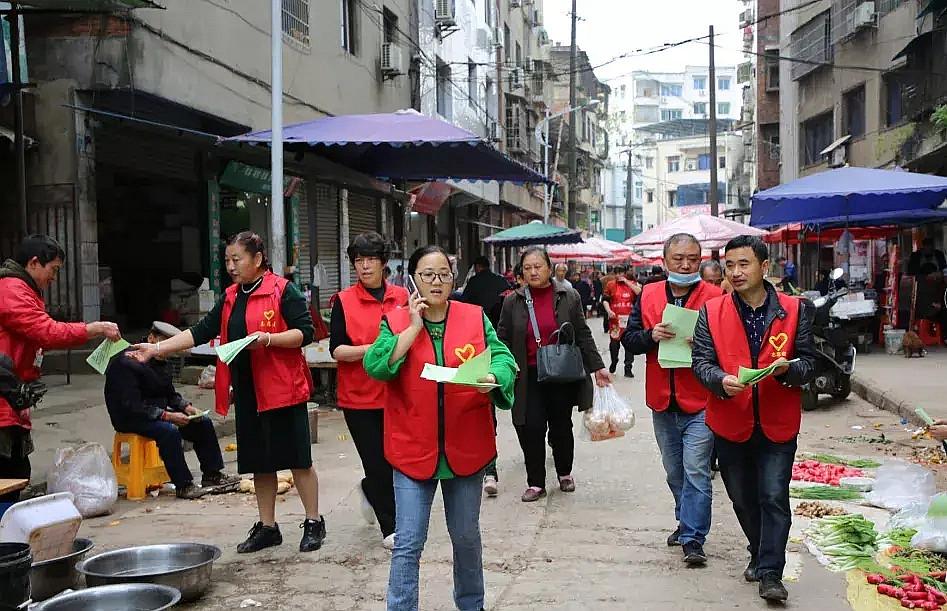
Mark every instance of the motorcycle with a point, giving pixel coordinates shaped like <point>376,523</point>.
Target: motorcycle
<point>835,351</point>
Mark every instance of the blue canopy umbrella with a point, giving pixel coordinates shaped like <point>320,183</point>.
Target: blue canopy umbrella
<point>852,197</point>
<point>403,145</point>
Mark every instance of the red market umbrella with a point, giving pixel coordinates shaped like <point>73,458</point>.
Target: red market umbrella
<point>712,232</point>
<point>796,232</point>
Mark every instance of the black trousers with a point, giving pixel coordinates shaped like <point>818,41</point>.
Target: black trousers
<point>614,345</point>
<point>169,438</point>
<point>17,465</point>
<point>756,474</point>
<point>367,427</point>
<point>548,408</point>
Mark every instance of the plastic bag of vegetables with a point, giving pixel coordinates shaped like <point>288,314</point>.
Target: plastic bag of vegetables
<point>932,535</point>
<point>609,417</point>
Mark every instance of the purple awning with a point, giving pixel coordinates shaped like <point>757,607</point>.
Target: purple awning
<point>402,145</point>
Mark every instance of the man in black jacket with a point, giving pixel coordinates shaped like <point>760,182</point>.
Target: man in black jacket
<point>485,289</point>
<point>141,399</point>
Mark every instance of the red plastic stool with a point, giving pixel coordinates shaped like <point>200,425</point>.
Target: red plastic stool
<point>929,332</point>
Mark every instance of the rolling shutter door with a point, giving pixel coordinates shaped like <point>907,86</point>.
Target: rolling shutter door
<point>139,152</point>
<point>326,201</point>
<point>363,214</point>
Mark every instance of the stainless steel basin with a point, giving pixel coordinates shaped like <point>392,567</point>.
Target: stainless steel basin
<point>119,597</point>
<point>50,577</point>
<point>184,566</point>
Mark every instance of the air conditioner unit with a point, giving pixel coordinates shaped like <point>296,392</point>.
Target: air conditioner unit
<point>444,13</point>
<point>863,16</point>
<point>391,59</point>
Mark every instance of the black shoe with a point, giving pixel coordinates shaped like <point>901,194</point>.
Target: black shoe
<point>629,373</point>
<point>675,537</point>
<point>220,482</point>
<point>772,588</point>
<point>694,554</point>
<point>261,537</point>
<point>612,367</point>
<point>189,492</point>
<point>749,573</point>
<point>314,533</point>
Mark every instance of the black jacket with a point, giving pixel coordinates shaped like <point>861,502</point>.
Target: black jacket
<point>514,328</point>
<point>138,393</point>
<point>484,290</point>
<point>707,367</point>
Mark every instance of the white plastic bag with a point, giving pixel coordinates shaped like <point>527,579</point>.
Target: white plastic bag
<point>609,417</point>
<point>87,473</point>
<point>912,516</point>
<point>898,484</point>
<point>208,376</point>
<point>932,535</point>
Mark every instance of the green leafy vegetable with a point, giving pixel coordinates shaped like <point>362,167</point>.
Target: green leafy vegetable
<point>861,463</point>
<point>848,541</point>
<point>900,537</point>
<point>824,493</point>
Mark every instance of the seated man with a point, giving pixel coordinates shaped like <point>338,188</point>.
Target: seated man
<point>141,399</point>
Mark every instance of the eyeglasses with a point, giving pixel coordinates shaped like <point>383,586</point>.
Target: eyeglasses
<point>428,277</point>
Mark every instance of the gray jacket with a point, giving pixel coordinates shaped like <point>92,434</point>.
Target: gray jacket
<point>514,329</point>
<point>707,367</point>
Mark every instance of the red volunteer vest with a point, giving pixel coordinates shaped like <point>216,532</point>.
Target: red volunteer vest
<point>690,394</point>
<point>780,407</point>
<point>423,418</point>
<point>356,389</point>
<point>280,375</point>
<point>622,299</point>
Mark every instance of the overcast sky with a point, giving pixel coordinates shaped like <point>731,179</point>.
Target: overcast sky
<point>608,28</point>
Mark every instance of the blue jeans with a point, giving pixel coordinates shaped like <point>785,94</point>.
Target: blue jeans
<point>686,444</point>
<point>757,474</point>
<point>413,501</point>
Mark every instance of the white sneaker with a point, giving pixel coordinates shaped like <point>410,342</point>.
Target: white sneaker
<point>389,542</point>
<point>368,513</point>
<point>490,486</point>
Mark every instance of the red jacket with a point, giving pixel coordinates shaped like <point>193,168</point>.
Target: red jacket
<point>25,331</point>
<point>280,375</point>
<point>780,406</point>
<point>690,394</point>
<point>423,418</point>
<point>363,313</point>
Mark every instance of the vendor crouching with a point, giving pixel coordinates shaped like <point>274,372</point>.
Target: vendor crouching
<point>141,399</point>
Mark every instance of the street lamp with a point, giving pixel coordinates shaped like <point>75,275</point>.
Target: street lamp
<point>542,139</point>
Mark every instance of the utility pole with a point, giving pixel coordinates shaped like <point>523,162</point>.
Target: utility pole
<point>629,204</point>
<point>573,160</point>
<point>19,142</point>
<point>277,205</point>
<point>713,196</point>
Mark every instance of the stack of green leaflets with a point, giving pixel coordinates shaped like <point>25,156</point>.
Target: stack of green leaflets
<point>198,415</point>
<point>923,415</point>
<point>467,374</point>
<point>752,376</point>
<point>100,357</point>
<point>229,351</point>
<point>676,353</point>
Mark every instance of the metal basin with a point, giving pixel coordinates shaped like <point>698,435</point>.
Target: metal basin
<point>120,597</point>
<point>50,577</point>
<point>185,566</point>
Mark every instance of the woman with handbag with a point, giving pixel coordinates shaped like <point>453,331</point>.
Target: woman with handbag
<point>543,324</point>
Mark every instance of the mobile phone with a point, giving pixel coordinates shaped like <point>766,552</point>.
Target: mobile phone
<point>410,285</point>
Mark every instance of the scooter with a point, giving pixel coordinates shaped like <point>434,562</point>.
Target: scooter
<point>835,351</point>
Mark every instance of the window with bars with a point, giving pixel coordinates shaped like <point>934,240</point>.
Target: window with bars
<point>513,128</point>
<point>296,21</point>
<point>811,44</point>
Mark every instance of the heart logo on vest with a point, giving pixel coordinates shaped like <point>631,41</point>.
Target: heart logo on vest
<point>778,342</point>
<point>465,353</point>
<point>268,322</point>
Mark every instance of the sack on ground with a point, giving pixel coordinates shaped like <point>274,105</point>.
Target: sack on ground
<point>87,473</point>
<point>609,417</point>
<point>208,376</point>
<point>898,484</point>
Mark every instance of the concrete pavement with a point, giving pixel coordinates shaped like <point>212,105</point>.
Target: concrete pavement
<point>901,385</point>
<point>602,547</point>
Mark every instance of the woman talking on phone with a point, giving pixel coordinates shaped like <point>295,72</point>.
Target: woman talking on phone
<point>438,433</point>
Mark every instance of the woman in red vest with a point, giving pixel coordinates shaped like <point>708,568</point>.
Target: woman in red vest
<point>618,300</point>
<point>438,432</point>
<point>755,427</point>
<point>268,383</point>
<point>356,316</point>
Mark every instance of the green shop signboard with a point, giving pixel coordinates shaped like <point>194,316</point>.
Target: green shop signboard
<point>248,178</point>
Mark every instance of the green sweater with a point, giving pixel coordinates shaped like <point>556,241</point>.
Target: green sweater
<point>502,366</point>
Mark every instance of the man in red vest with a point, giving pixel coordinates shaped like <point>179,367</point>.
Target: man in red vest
<point>676,398</point>
<point>354,326</point>
<point>755,426</point>
<point>618,299</point>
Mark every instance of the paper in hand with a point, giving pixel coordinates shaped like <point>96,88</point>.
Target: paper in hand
<point>467,374</point>
<point>100,357</point>
<point>229,351</point>
<point>198,415</point>
<point>676,353</point>
<point>753,376</point>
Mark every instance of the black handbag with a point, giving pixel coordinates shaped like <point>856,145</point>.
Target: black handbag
<point>557,363</point>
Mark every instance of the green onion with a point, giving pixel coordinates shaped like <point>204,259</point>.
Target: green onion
<point>861,463</point>
<point>824,493</point>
